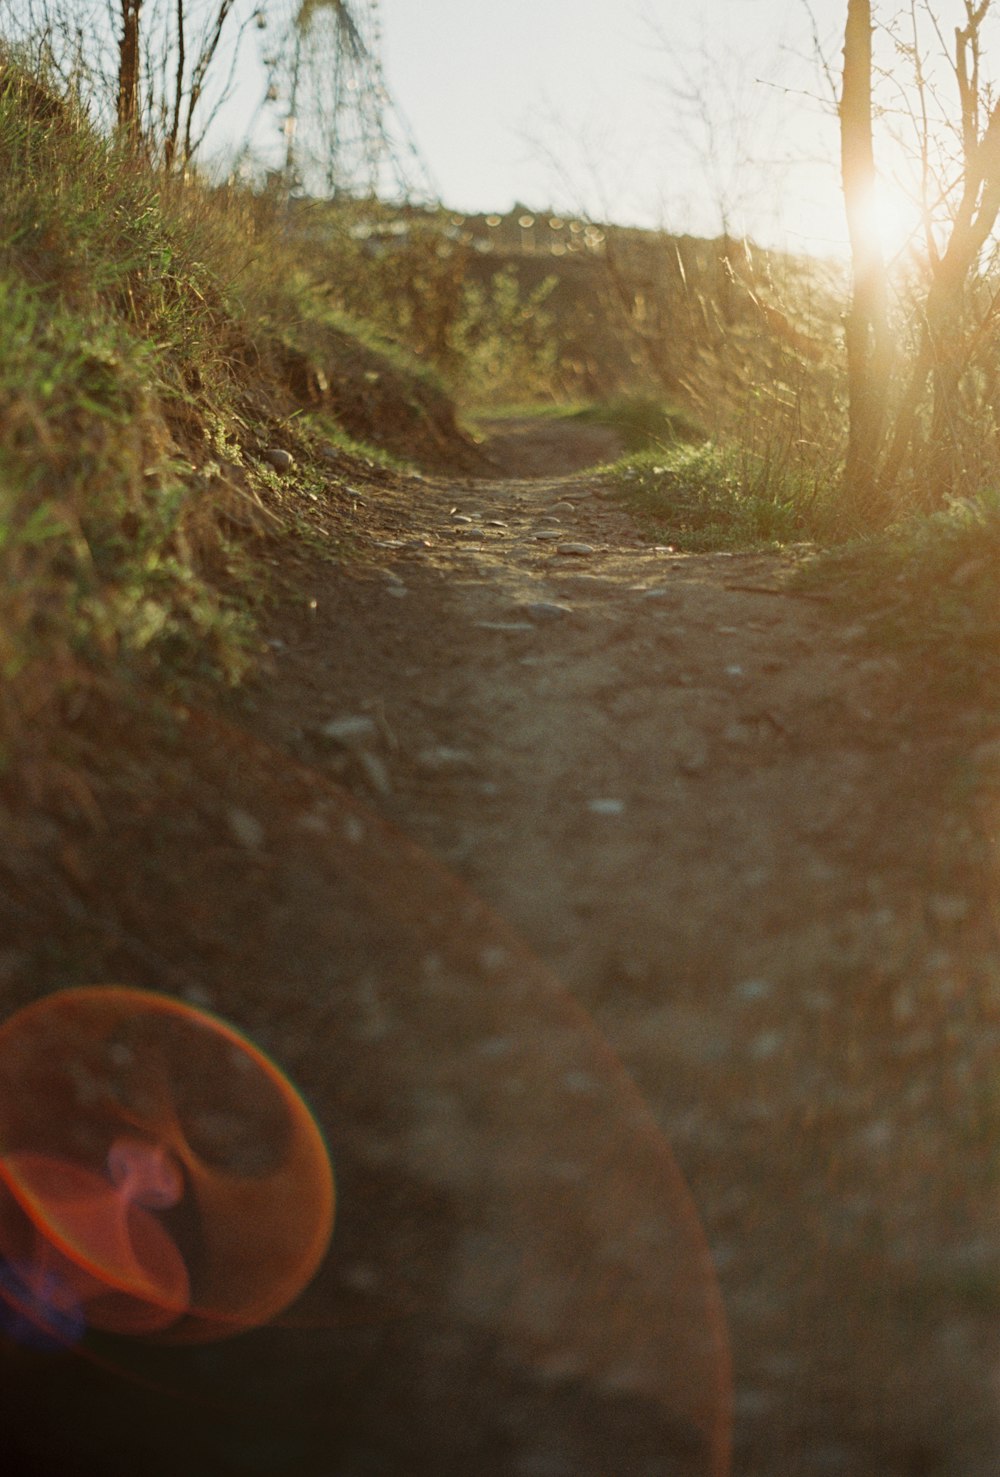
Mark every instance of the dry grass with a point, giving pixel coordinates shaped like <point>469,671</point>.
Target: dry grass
<point>155,340</point>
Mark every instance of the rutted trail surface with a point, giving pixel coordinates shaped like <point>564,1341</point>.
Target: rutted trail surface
<point>719,818</point>
<point>526,807</point>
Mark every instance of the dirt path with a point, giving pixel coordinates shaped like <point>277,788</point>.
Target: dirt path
<point>671,791</point>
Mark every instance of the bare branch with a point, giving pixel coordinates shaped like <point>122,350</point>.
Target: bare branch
<point>206,54</point>
<point>170,144</point>
<point>225,89</point>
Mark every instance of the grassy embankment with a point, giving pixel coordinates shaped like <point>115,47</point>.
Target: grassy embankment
<point>157,342</point>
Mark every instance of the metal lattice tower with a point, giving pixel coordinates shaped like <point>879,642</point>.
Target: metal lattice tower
<point>346,135</point>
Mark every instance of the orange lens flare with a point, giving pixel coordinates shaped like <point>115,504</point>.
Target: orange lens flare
<point>95,1239</point>
<point>157,1172</point>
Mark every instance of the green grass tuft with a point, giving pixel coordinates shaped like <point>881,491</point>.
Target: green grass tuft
<point>710,497</point>
<point>927,588</point>
<point>108,322</point>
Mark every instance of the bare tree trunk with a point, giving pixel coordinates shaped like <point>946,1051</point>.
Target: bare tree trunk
<point>128,69</point>
<point>975,221</point>
<point>866,332</point>
<point>200,71</point>
<point>943,354</point>
<point>170,143</point>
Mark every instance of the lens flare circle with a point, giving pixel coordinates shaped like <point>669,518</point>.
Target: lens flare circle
<point>156,1168</point>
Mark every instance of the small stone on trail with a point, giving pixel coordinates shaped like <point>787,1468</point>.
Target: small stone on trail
<point>969,570</point>
<point>691,755</point>
<point>504,625</point>
<point>494,1046</point>
<point>375,772</point>
<point>752,990</point>
<point>945,908</point>
<point>547,533</point>
<point>351,731</point>
<point>281,461</point>
<point>766,1045</point>
<point>440,759</point>
<point>740,733</point>
<point>580,1082</point>
<point>313,822</point>
<point>546,610</point>
<point>576,549</point>
<point>245,828</point>
<point>606,806</point>
<point>562,507</point>
<point>397,590</point>
<point>354,831</point>
<point>200,998</point>
<point>359,1278</point>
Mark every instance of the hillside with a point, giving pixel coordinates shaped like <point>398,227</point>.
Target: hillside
<point>163,367</point>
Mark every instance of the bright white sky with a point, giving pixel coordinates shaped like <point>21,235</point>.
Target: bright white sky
<point>567,102</point>
<point>575,105</point>
<point>578,105</point>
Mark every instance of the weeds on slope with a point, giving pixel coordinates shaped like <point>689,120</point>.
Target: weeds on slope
<point>707,496</point>
<point>156,339</point>
<point>109,328</point>
<point>926,589</point>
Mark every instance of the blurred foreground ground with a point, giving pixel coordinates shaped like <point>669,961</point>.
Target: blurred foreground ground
<point>540,852</point>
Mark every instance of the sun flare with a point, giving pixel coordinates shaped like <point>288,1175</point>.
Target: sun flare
<point>892,218</point>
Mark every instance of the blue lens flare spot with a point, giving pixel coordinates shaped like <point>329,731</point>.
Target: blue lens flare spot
<point>38,1310</point>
